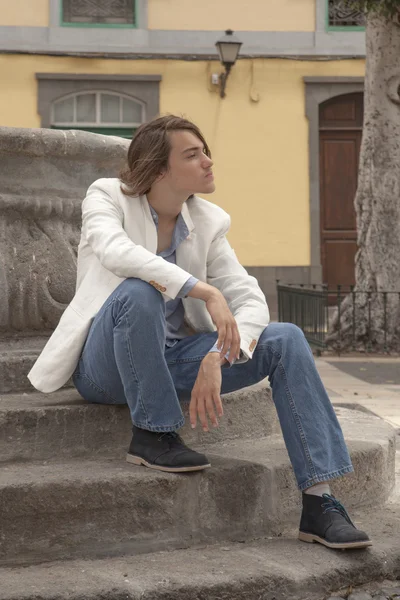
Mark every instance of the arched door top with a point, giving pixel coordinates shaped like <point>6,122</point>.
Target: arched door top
<point>345,111</point>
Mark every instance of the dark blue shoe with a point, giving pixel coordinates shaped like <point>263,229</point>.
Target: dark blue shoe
<point>164,452</point>
<point>325,520</point>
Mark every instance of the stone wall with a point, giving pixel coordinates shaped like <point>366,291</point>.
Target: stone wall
<point>44,175</point>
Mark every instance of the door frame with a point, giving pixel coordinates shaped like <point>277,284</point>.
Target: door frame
<point>318,90</point>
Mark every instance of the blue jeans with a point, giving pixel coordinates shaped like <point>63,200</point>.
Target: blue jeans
<point>125,360</point>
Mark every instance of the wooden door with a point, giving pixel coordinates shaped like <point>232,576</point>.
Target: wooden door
<point>340,139</point>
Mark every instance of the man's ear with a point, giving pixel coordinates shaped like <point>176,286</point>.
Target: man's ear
<point>160,176</point>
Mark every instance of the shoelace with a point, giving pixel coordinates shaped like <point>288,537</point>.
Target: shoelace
<point>172,436</point>
<point>333,505</point>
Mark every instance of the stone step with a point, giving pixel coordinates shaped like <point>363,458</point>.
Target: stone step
<point>98,508</point>
<point>17,357</point>
<point>35,426</point>
<point>280,569</point>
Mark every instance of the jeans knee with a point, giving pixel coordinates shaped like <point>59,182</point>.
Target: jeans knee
<point>282,335</point>
<point>286,338</point>
<point>290,331</point>
<point>140,295</point>
<point>286,335</point>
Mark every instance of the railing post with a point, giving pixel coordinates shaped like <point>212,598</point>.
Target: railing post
<point>325,309</point>
<point>385,348</point>
<point>369,346</point>
<point>314,315</point>
<point>279,298</point>
<point>339,302</point>
<point>353,296</point>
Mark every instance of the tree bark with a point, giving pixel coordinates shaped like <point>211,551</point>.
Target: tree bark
<point>377,202</point>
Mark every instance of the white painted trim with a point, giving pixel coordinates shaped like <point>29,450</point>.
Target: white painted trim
<point>96,77</point>
<point>134,42</point>
<point>320,16</point>
<point>142,21</point>
<point>54,13</point>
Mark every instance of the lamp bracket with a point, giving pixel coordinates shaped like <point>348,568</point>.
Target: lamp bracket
<point>223,78</point>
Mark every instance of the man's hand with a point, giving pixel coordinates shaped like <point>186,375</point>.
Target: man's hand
<point>206,393</point>
<point>223,319</point>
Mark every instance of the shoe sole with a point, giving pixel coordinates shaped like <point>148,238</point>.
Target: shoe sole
<point>137,460</point>
<point>311,538</point>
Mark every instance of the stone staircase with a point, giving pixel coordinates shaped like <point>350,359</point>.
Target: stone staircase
<point>66,491</point>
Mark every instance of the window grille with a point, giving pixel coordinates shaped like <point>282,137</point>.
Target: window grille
<point>342,13</point>
<point>106,12</point>
<point>103,109</point>
<point>99,112</point>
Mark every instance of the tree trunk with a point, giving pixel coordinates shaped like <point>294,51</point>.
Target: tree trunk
<point>377,202</point>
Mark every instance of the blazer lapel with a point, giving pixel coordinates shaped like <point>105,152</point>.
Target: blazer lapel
<point>186,217</point>
<point>150,229</point>
<point>184,252</point>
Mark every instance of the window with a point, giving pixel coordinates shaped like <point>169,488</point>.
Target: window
<point>99,13</point>
<point>98,112</point>
<point>143,91</point>
<point>343,16</point>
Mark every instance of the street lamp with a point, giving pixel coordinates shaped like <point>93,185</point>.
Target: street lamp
<point>228,49</point>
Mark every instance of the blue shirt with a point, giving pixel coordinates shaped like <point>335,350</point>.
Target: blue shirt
<point>174,311</point>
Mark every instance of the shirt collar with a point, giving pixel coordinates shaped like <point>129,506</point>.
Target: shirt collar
<point>180,233</point>
<point>184,212</point>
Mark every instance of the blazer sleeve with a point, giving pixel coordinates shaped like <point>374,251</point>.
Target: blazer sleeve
<point>102,226</point>
<point>241,291</point>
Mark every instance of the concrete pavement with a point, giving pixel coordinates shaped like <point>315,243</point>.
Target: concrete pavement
<point>372,383</point>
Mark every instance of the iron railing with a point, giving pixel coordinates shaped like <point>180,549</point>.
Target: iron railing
<point>315,307</point>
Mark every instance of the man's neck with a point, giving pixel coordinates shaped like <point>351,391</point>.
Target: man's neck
<point>166,205</point>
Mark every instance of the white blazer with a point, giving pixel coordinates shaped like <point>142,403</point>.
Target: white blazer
<point>119,240</point>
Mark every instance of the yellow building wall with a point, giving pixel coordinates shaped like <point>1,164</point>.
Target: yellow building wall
<point>258,135</point>
<point>248,15</point>
<point>31,13</point>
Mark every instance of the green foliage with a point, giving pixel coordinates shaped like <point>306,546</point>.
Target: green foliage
<point>387,8</point>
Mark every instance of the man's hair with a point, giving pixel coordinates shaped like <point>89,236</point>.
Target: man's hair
<point>149,151</point>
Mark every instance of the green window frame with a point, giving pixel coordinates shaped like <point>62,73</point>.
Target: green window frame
<point>339,27</point>
<point>101,25</point>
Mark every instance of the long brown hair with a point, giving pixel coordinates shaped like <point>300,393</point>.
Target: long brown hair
<point>149,150</point>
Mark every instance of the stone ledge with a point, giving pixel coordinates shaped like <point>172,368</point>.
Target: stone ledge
<point>69,144</point>
<point>283,569</point>
<point>61,425</point>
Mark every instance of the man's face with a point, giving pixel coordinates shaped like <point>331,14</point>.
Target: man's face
<point>190,170</point>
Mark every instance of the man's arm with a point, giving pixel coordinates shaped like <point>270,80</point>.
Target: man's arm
<point>102,226</point>
<point>241,291</point>
<point>250,313</point>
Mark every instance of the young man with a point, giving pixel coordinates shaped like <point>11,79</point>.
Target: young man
<point>162,304</point>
